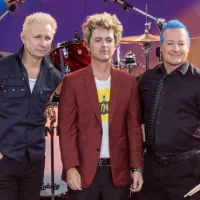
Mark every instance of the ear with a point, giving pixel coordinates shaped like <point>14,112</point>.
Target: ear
<point>23,37</point>
<point>160,48</point>
<point>88,47</point>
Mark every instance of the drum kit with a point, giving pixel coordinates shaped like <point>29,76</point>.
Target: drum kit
<point>70,56</point>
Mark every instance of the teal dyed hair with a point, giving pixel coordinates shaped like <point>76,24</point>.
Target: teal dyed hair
<point>173,24</point>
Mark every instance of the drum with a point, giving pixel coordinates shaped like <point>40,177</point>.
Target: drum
<point>70,56</point>
<point>60,187</point>
<point>130,65</point>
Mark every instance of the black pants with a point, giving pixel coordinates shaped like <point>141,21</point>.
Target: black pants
<point>21,180</point>
<point>171,181</point>
<point>102,187</point>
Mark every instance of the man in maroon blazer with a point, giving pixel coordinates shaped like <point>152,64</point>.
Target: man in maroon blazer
<point>99,120</point>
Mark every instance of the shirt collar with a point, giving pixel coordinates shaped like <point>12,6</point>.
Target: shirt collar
<point>182,68</point>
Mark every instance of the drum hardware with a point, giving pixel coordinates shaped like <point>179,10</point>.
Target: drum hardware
<point>127,6</point>
<point>129,64</point>
<point>77,35</point>
<point>146,38</point>
<point>52,117</point>
<point>130,61</point>
<point>147,45</point>
<point>59,186</point>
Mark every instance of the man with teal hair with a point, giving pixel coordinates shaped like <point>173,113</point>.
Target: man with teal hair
<point>170,100</point>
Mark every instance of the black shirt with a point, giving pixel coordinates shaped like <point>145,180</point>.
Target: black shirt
<point>177,121</point>
<point>22,118</point>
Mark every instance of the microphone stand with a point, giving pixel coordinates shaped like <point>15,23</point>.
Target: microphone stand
<point>125,5</point>
<point>50,129</point>
<point>11,9</point>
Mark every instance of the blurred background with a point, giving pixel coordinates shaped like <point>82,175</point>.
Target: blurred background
<point>70,15</point>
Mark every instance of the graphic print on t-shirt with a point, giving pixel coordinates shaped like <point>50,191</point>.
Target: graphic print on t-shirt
<point>104,98</point>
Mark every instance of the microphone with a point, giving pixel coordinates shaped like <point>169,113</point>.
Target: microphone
<point>160,23</point>
<point>51,114</point>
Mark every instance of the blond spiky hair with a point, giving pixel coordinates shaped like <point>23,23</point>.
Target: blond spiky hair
<point>102,20</point>
<point>39,17</point>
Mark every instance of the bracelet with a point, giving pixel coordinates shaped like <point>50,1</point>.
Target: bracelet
<point>137,170</point>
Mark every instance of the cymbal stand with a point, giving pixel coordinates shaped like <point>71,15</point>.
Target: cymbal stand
<point>147,45</point>
<point>11,9</point>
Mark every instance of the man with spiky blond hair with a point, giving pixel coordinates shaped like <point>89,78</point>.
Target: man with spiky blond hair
<point>27,81</point>
<point>99,120</point>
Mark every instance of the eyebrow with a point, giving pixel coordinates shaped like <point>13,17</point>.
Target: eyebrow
<point>173,41</point>
<point>102,37</point>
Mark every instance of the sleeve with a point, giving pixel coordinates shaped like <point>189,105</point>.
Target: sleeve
<point>134,129</point>
<point>3,6</point>
<point>140,98</point>
<point>58,77</point>
<point>67,126</point>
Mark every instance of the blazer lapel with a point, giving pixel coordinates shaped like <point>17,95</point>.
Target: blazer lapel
<point>92,92</point>
<point>115,86</point>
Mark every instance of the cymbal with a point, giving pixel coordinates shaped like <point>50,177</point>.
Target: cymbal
<point>194,38</point>
<point>140,39</point>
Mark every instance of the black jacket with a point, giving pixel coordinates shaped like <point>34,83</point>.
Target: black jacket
<point>22,118</point>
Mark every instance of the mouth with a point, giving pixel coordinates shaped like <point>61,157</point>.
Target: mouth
<point>174,55</point>
<point>104,52</point>
<point>42,51</point>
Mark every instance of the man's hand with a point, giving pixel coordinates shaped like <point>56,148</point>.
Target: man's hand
<point>9,4</point>
<point>137,181</point>
<point>73,179</point>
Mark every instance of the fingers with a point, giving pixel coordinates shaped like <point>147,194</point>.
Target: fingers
<point>74,179</point>
<point>74,185</point>
<point>79,180</point>
<point>136,186</point>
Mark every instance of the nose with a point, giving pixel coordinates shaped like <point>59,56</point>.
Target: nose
<point>176,47</point>
<point>103,43</point>
<point>43,42</point>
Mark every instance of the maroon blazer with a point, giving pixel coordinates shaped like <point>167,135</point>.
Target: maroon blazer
<point>80,126</point>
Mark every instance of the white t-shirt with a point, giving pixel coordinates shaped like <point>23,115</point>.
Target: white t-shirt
<point>32,82</point>
<point>103,90</point>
